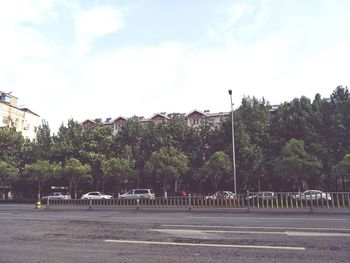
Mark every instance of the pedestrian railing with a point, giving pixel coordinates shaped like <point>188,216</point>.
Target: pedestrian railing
<point>250,200</point>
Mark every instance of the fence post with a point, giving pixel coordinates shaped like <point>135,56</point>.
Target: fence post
<point>48,203</point>
<point>90,203</point>
<point>248,201</point>
<point>189,202</point>
<point>311,204</point>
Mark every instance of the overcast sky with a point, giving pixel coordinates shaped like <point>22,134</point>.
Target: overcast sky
<point>98,59</point>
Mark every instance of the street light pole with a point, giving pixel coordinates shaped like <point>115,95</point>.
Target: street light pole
<point>233,146</point>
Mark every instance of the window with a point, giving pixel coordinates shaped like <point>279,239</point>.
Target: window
<point>137,192</point>
<point>5,120</point>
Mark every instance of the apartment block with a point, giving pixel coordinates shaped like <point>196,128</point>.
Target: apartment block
<point>22,119</point>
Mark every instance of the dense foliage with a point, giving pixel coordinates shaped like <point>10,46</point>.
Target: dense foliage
<point>302,144</point>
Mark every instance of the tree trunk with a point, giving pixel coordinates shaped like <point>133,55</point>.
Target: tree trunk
<point>4,190</point>
<point>75,191</point>
<point>70,187</point>
<point>39,191</point>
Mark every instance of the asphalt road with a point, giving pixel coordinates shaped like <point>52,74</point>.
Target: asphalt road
<point>152,235</point>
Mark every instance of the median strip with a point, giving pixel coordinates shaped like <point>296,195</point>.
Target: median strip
<point>145,242</point>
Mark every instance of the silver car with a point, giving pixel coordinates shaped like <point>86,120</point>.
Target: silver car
<point>138,193</point>
<point>56,196</point>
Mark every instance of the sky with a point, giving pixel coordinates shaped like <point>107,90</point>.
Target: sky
<point>88,59</point>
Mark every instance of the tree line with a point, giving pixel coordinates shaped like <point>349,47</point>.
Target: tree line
<point>303,144</point>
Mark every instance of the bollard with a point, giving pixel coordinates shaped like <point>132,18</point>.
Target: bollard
<point>48,203</point>
<point>189,202</point>
<point>90,203</point>
<point>311,204</point>
<point>37,204</point>
<point>248,201</point>
<point>138,202</point>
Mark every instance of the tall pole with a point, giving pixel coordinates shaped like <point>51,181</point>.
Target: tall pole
<point>233,146</point>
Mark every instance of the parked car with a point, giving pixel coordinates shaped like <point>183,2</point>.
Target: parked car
<point>138,193</point>
<point>313,195</point>
<point>56,196</point>
<point>262,196</point>
<point>223,195</point>
<point>96,195</point>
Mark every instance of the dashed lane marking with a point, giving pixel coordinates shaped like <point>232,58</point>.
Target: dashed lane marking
<point>144,242</point>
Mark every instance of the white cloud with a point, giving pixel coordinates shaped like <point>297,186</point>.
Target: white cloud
<point>94,23</point>
<point>231,15</point>
<point>130,78</point>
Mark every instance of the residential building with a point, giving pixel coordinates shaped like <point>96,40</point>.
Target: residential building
<point>22,119</point>
<point>193,119</point>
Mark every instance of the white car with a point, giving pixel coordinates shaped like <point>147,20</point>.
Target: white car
<point>96,195</point>
<point>56,196</point>
<point>313,195</point>
<point>221,195</point>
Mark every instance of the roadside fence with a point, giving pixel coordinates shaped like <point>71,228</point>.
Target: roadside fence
<point>249,200</point>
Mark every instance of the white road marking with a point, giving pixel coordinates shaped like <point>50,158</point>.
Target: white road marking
<point>266,218</point>
<point>5,213</point>
<point>191,232</point>
<point>261,227</point>
<point>316,234</point>
<point>144,242</point>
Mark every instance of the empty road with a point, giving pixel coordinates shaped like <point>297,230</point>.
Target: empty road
<point>151,235</point>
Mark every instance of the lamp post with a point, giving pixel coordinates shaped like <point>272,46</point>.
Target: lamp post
<point>233,146</point>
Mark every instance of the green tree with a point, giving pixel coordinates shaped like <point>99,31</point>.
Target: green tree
<point>95,161</point>
<point>40,172</point>
<point>342,168</point>
<point>119,170</point>
<point>75,171</point>
<point>216,167</point>
<point>249,160</point>
<point>68,142</point>
<point>8,174</point>
<point>41,148</point>
<point>11,143</point>
<point>131,135</point>
<point>340,94</point>
<point>98,139</point>
<point>296,168</point>
<point>167,165</point>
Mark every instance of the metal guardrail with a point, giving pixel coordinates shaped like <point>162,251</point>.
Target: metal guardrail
<point>281,200</point>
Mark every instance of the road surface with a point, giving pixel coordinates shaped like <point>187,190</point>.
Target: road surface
<point>152,235</point>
